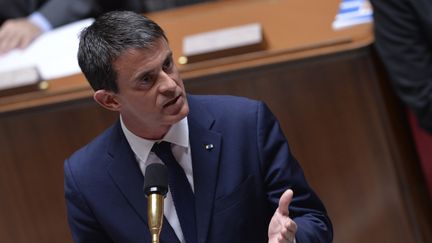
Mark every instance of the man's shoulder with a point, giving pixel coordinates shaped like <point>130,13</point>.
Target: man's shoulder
<point>225,109</point>
<point>94,149</point>
<point>222,101</point>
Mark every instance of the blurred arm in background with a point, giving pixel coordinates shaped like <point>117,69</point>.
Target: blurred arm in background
<point>22,21</point>
<point>403,38</point>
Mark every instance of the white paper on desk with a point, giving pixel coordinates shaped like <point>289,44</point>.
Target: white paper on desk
<point>353,12</point>
<point>54,53</point>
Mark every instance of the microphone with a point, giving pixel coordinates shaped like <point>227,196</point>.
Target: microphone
<point>155,188</point>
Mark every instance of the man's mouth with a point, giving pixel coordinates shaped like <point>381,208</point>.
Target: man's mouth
<point>171,102</point>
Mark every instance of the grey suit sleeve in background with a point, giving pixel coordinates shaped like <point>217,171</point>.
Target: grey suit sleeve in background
<point>60,12</point>
<point>17,8</point>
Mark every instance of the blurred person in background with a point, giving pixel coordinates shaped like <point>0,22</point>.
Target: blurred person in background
<point>21,21</point>
<point>403,39</point>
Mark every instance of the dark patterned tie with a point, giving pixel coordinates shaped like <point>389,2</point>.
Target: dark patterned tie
<point>181,191</point>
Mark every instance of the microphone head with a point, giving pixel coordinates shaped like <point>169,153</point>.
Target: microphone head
<point>156,179</point>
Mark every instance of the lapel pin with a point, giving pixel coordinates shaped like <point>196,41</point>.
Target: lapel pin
<point>209,146</point>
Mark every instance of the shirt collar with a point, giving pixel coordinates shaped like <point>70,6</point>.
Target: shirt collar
<point>178,134</point>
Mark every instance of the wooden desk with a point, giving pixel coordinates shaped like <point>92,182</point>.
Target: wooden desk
<point>294,30</point>
<point>327,89</point>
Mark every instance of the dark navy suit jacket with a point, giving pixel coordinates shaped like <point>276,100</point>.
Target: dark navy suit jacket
<point>237,183</point>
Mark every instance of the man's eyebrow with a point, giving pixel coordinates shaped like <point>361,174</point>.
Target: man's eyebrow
<point>139,75</point>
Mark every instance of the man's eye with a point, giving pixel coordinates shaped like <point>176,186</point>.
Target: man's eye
<point>145,81</point>
<point>167,65</point>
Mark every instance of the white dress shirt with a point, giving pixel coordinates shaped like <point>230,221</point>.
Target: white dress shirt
<point>178,135</point>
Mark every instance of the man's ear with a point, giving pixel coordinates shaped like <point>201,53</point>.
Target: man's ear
<point>107,99</point>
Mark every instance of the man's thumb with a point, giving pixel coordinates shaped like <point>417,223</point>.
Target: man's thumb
<point>284,202</point>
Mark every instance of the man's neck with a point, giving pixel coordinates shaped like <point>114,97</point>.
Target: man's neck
<point>154,133</point>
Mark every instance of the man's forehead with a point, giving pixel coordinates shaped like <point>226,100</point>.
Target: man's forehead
<point>156,49</point>
<point>135,62</point>
<point>160,46</point>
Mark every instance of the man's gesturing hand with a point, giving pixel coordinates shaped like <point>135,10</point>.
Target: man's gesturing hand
<point>282,228</point>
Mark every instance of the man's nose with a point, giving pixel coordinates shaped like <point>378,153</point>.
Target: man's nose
<point>167,83</point>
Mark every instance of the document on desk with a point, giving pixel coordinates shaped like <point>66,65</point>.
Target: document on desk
<point>53,54</point>
<point>353,12</point>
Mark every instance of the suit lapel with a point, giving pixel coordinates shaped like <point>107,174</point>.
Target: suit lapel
<point>126,174</point>
<point>205,146</point>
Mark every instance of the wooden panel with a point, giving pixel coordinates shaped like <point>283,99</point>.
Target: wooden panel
<point>33,146</point>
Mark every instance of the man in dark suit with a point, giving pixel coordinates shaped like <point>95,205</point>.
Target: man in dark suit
<point>24,20</point>
<point>247,186</point>
<point>403,33</point>
<point>403,38</point>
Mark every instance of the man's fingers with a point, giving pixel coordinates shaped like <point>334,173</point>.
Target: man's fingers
<point>7,37</point>
<point>289,230</point>
<point>25,41</point>
<point>17,33</point>
<point>284,202</point>
<point>291,227</point>
<point>7,43</point>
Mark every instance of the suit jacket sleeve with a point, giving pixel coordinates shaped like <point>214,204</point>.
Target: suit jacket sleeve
<point>403,38</point>
<point>60,12</point>
<point>83,224</point>
<point>282,171</point>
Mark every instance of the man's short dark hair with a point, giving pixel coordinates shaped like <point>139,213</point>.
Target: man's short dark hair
<point>107,38</point>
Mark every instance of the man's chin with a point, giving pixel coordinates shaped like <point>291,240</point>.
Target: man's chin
<point>182,113</point>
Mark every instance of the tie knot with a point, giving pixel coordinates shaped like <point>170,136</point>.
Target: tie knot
<point>162,147</point>
<point>163,151</point>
